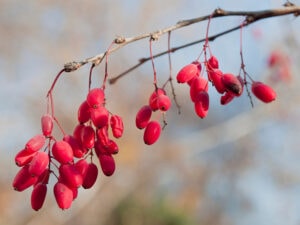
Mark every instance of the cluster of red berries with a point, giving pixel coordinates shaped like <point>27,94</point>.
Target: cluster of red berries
<point>158,101</point>
<point>227,84</point>
<point>69,155</point>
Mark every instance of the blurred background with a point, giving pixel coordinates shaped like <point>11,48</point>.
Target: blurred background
<point>238,166</point>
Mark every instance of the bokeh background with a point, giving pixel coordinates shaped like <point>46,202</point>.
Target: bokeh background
<point>239,166</point>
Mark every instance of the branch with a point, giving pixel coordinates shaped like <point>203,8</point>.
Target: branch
<point>250,17</point>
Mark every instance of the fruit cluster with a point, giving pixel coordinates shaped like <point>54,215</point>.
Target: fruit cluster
<point>227,84</point>
<point>70,154</point>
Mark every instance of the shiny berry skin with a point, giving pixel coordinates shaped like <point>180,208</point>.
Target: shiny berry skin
<point>107,164</point>
<point>38,164</point>
<point>199,84</point>
<point>62,152</point>
<point>226,98</point>
<point>24,157</point>
<point>63,195</point>
<point>90,176</point>
<point>78,151</point>
<point>143,117</point>
<point>263,92</point>
<point>188,72</point>
<point>163,103</point>
<point>100,116</point>
<point>117,126</point>
<point>23,179</point>
<point>215,77</point>
<point>84,114</point>
<point>38,196</point>
<point>35,143</point>
<point>202,104</point>
<point>213,63</point>
<point>95,98</point>
<point>88,137</point>
<point>153,98</point>
<point>70,175</point>
<point>232,84</point>
<point>152,132</point>
<point>47,125</point>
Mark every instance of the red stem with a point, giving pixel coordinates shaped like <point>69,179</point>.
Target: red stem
<point>153,66</point>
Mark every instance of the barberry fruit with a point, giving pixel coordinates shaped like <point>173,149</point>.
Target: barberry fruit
<point>188,72</point>
<point>24,157</point>
<point>202,104</point>
<point>152,132</point>
<point>213,63</point>
<point>84,113</point>
<point>38,164</point>
<point>95,98</point>
<point>263,92</point>
<point>232,84</point>
<point>23,179</point>
<point>38,196</point>
<point>116,124</point>
<point>35,143</point>
<point>47,125</point>
<point>100,116</point>
<point>90,176</point>
<point>62,152</point>
<point>63,195</point>
<point>143,117</point>
<point>107,164</point>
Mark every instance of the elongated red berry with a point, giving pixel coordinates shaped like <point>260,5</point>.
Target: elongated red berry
<point>38,196</point>
<point>70,175</point>
<point>35,143</point>
<point>23,179</point>
<point>47,125</point>
<point>213,63</point>
<point>44,177</point>
<point>90,176</point>
<point>84,113</point>
<point>38,164</point>
<point>107,164</point>
<point>100,116</point>
<point>226,98</point>
<point>153,98</point>
<point>88,137</point>
<point>143,117</point>
<point>78,150</point>
<point>199,84</point>
<point>188,72</point>
<point>152,132</point>
<point>215,77</point>
<point>232,84</point>
<point>112,147</point>
<point>163,103</point>
<point>24,157</point>
<point>117,126</point>
<point>62,152</point>
<point>82,165</point>
<point>102,136</point>
<point>263,92</point>
<point>63,195</point>
<point>95,98</point>
<point>202,104</point>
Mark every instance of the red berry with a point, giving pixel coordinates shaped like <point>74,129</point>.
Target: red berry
<point>78,151</point>
<point>38,196</point>
<point>153,98</point>
<point>152,132</point>
<point>38,164</point>
<point>88,137</point>
<point>263,92</point>
<point>62,152</point>
<point>202,104</point>
<point>226,98</point>
<point>35,143</point>
<point>100,116</point>
<point>102,136</point>
<point>24,157</point>
<point>188,72</point>
<point>82,165</point>
<point>112,147</point>
<point>90,176</point>
<point>117,126</point>
<point>199,84</point>
<point>84,113</point>
<point>107,164</point>
<point>44,177</point>
<point>163,102</point>
<point>213,63</point>
<point>70,175</point>
<point>215,77</point>
<point>95,98</point>
<point>232,84</point>
<point>63,195</point>
<point>23,179</point>
<point>143,116</point>
<point>47,125</point>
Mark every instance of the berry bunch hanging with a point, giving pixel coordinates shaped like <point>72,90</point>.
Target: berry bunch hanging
<point>70,159</point>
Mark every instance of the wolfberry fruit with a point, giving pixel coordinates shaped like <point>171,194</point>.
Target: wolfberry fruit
<point>202,104</point>
<point>143,116</point>
<point>38,164</point>
<point>90,176</point>
<point>188,72</point>
<point>152,132</point>
<point>62,152</point>
<point>263,92</point>
<point>95,98</point>
<point>38,196</point>
<point>100,116</point>
<point>63,195</point>
<point>47,125</point>
<point>107,164</point>
<point>232,84</point>
<point>84,113</point>
<point>116,124</point>
<point>35,143</point>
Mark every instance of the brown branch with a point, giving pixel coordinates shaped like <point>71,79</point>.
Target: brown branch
<point>250,17</point>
